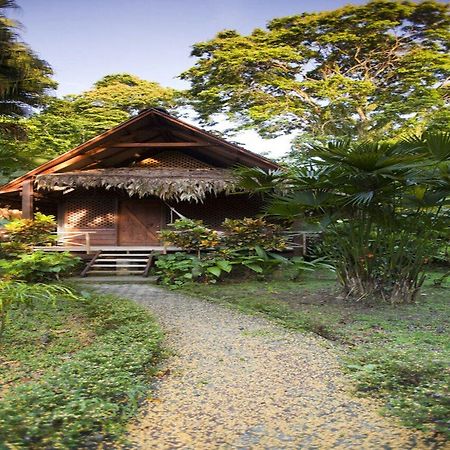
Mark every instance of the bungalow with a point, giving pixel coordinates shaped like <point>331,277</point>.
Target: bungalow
<point>117,190</point>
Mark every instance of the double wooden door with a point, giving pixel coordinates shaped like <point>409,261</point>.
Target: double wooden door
<point>140,221</point>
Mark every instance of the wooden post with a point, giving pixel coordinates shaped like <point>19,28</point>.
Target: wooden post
<point>27,199</point>
<point>88,243</point>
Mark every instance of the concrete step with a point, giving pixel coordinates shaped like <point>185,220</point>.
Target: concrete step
<point>116,272</point>
<point>118,265</point>
<point>115,255</point>
<point>119,260</point>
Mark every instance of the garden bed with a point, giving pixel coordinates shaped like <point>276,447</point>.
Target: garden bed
<point>73,372</point>
<point>397,353</point>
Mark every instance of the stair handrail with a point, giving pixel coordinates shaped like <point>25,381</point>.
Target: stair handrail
<point>90,264</point>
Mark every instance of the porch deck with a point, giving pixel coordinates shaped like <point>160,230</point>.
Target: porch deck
<point>108,248</point>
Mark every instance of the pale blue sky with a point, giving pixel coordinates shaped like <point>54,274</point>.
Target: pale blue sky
<point>84,40</point>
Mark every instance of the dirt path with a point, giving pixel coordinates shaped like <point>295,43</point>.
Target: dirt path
<point>240,382</point>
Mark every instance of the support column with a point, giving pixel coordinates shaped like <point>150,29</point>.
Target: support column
<point>27,200</point>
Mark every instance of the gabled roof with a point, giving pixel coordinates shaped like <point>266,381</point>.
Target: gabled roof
<point>151,131</point>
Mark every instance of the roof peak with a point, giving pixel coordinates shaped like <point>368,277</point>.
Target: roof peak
<point>155,108</point>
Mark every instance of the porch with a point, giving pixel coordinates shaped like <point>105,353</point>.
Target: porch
<point>81,242</point>
<point>101,260</point>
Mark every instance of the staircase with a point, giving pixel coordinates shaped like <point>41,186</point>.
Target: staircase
<point>120,263</point>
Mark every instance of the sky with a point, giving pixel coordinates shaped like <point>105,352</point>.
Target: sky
<point>83,40</point>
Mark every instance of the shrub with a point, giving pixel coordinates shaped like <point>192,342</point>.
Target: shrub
<point>35,231</point>
<point>379,204</point>
<point>39,266</point>
<point>22,234</point>
<point>178,268</point>
<point>247,233</point>
<point>251,233</point>
<point>377,262</point>
<point>190,235</point>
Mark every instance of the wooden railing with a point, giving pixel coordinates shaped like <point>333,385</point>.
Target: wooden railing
<point>65,239</point>
<point>299,240</point>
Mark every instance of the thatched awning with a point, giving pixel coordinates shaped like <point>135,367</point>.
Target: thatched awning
<point>167,184</point>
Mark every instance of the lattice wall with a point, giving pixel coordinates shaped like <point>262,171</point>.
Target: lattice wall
<point>172,159</point>
<point>90,211</point>
<point>214,211</point>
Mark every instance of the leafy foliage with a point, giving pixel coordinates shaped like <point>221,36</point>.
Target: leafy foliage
<point>69,121</point>
<point>36,231</point>
<point>243,246</point>
<point>176,269</point>
<point>369,70</point>
<point>39,266</point>
<point>190,235</point>
<point>90,396</point>
<point>250,233</point>
<point>24,78</point>
<point>374,261</point>
<point>237,234</point>
<point>25,81</point>
<point>22,234</point>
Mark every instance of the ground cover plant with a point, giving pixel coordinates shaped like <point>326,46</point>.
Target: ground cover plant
<point>398,353</point>
<point>73,371</point>
<point>19,295</point>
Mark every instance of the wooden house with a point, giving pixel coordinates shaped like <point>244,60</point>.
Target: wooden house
<point>120,188</point>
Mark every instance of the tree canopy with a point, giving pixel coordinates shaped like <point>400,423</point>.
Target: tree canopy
<point>365,71</point>
<point>69,121</point>
<point>24,78</point>
<point>25,82</point>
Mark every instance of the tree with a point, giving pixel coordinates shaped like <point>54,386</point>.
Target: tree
<point>72,120</point>
<point>383,208</point>
<point>24,78</point>
<point>364,71</point>
<point>25,81</point>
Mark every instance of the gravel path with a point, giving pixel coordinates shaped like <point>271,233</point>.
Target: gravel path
<point>241,382</point>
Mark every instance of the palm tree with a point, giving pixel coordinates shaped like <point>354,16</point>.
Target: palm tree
<point>24,78</point>
<point>382,206</point>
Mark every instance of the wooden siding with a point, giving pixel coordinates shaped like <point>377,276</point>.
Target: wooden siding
<point>89,211</point>
<point>136,221</point>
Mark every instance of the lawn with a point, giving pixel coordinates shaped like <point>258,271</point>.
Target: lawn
<point>397,353</point>
<point>73,372</point>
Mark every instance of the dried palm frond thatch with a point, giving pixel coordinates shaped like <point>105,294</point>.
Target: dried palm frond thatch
<point>173,184</point>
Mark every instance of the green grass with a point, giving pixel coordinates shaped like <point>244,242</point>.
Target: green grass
<point>397,353</point>
<point>73,373</point>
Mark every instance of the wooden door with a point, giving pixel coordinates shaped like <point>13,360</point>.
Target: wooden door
<point>139,222</point>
